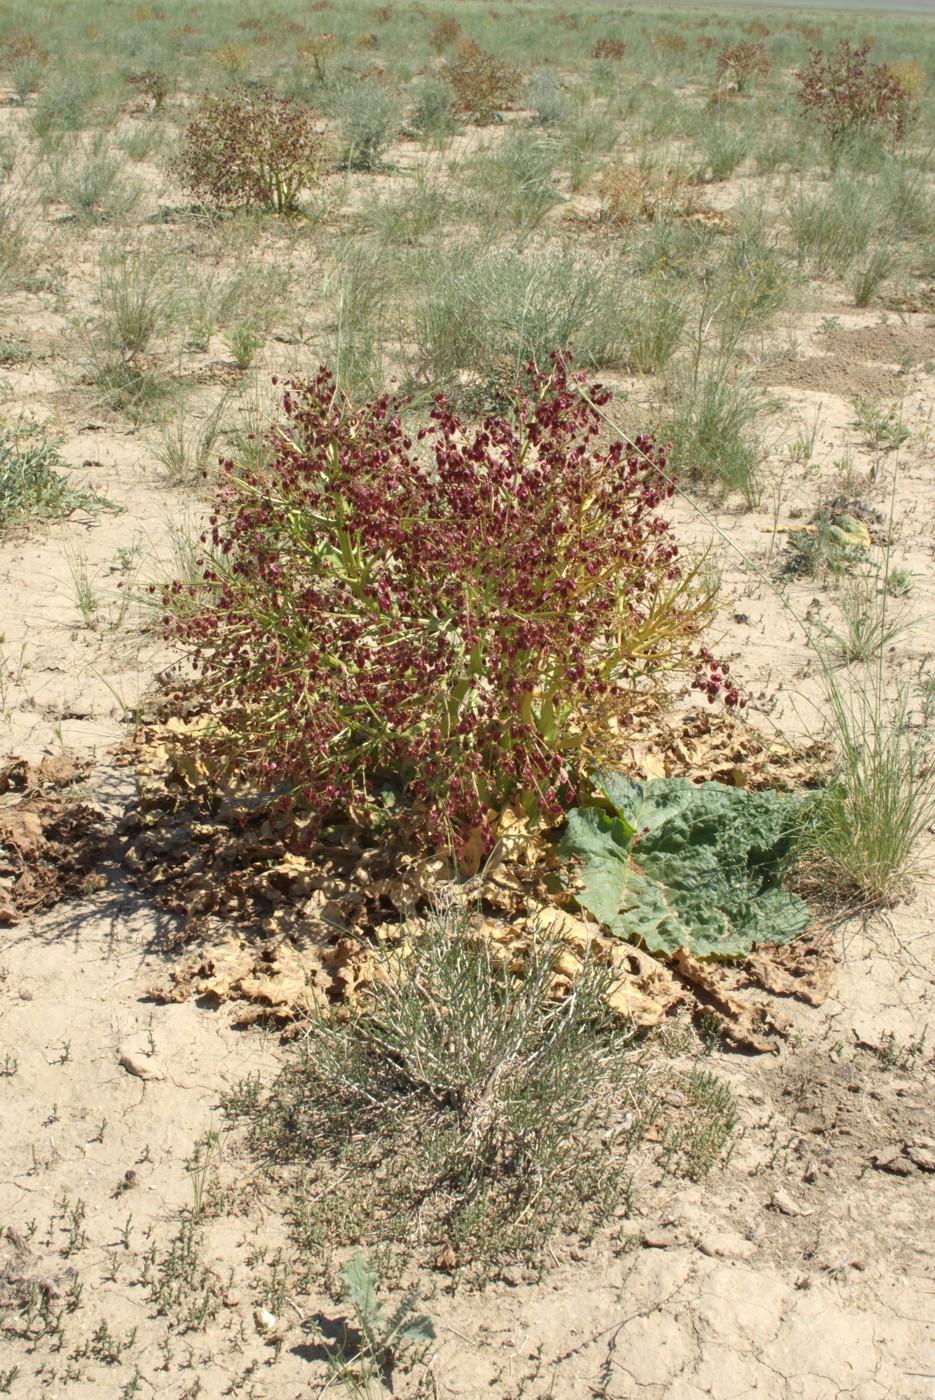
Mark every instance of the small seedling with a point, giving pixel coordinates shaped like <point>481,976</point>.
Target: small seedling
<point>243,341</point>
<point>384,1341</point>
<point>77,1239</point>
<point>200,1168</point>
<point>694,1147</point>
<point>882,427</point>
<point>899,582</point>
<point>900,1055</point>
<point>711,1031</point>
<point>133,1385</point>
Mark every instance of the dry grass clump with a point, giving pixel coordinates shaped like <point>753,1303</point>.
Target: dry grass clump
<point>911,77</point>
<point>632,193</point>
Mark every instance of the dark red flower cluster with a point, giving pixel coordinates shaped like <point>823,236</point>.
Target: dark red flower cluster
<point>714,679</point>
<point>465,614</point>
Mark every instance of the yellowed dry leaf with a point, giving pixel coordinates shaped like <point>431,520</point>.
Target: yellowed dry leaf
<point>749,1024</point>
<point>627,1000</point>
<point>517,843</point>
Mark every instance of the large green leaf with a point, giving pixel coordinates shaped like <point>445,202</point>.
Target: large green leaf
<point>685,866</point>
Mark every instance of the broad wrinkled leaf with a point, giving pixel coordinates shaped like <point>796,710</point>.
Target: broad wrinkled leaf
<point>643,807</point>
<point>688,867</point>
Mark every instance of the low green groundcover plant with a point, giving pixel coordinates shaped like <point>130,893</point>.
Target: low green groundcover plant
<point>672,865</point>
<point>35,484</point>
<point>464,615</point>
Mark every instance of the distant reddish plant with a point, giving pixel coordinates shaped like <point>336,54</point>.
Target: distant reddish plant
<point>445,33</point>
<point>246,149</point>
<point>22,48</point>
<point>152,85</point>
<point>666,41</point>
<point>739,64</point>
<point>465,616</point>
<point>847,95</point>
<point>482,84</point>
<point>609,48</point>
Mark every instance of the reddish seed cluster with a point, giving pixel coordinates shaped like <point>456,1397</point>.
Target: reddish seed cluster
<point>459,616</point>
<point>714,679</point>
<point>846,94</point>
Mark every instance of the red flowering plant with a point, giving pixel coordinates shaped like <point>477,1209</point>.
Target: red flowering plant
<point>847,95</point>
<point>741,63</point>
<point>466,617</point>
<point>250,149</point>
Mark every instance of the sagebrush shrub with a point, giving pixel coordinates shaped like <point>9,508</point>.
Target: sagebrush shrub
<point>848,96</point>
<point>368,116</point>
<point>245,149</point>
<point>466,617</point>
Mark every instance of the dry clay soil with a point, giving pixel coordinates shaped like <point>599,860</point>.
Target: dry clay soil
<point>804,1266</point>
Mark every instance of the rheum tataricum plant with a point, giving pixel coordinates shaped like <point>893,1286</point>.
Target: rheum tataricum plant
<point>246,149</point>
<point>466,616</point>
<point>848,96</point>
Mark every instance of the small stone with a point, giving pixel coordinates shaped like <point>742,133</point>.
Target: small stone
<point>142,1066</point>
<point>725,1244</point>
<point>884,1157</point>
<point>265,1322</point>
<point>446,1259</point>
<point>923,1157</point>
<point>662,1239</point>
<point>781,1200</point>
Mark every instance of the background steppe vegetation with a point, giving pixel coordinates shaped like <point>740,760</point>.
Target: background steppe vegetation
<point>201,204</point>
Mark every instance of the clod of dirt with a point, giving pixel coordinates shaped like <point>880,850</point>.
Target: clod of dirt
<point>50,844</point>
<point>725,1244</point>
<point>840,375</point>
<point>781,1200</point>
